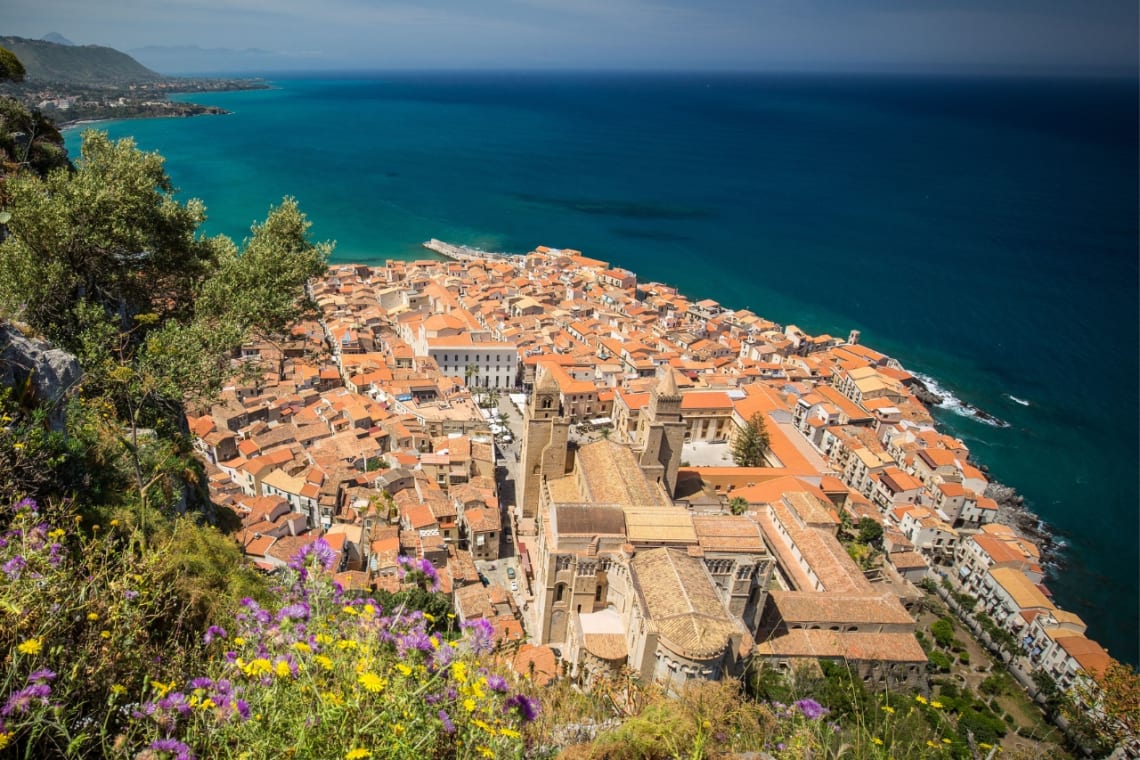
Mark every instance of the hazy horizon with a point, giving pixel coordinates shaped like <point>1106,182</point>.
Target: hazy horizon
<point>875,36</point>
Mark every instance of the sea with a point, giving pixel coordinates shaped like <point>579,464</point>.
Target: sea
<point>983,231</point>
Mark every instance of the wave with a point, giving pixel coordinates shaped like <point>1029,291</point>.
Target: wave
<point>1016,400</point>
<point>952,403</point>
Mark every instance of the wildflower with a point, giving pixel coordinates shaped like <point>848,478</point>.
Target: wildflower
<point>118,689</point>
<point>57,533</point>
<point>888,710</point>
<point>811,709</point>
<point>483,751</point>
<point>162,688</point>
<point>298,611</point>
<point>13,567</point>
<point>5,737</point>
<point>371,681</point>
<point>877,741</point>
<point>936,704</point>
<point>282,669</point>
<point>21,701</point>
<point>448,726</point>
<point>92,616</point>
<point>369,610</point>
<point>31,646</point>
<point>983,745</point>
<point>357,754</point>
<point>404,669</point>
<point>428,617</point>
<point>510,733</point>
<point>469,705</point>
<point>177,748</point>
<point>43,674</point>
<point>302,646</point>
<point>931,743</point>
<point>947,741</point>
<point>104,634</point>
<point>481,636</point>
<point>920,699</point>
<point>496,683</point>
<point>242,708</point>
<point>214,632</point>
<point>114,523</point>
<point>526,707</point>
<point>348,610</point>
<point>323,661</point>
<point>459,671</point>
<point>318,551</point>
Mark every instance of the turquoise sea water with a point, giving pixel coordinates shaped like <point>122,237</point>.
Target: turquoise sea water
<point>982,231</point>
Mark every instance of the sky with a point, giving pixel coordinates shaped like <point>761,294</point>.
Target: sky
<point>864,35</point>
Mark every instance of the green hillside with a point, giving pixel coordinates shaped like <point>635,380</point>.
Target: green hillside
<point>93,65</point>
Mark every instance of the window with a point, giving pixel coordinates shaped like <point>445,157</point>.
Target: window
<point>559,592</point>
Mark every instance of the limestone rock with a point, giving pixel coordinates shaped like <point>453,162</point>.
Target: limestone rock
<point>45,374</point>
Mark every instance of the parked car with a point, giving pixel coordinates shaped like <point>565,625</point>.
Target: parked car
<point>510,572</point>
<point>514,586</point>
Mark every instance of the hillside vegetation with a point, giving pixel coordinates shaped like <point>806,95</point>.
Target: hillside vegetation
<point>88,65</point>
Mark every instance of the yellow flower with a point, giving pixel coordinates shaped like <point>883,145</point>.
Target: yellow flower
<point>429,617</point>
<point>398,729</point>
<point>459,670</point>
<point>118,690</point>
<point>484,752</point>
<point>31,646</point>
<point>369,610</point>
<point>404,669</point>
<point>930,743</point>
<point>324,638</point>
<point>983,745</point>
<point>371,681</point>
<point>469,705</point>
<point>162,688</point>
<point>510,733</point>
<point>349,610</point>
<point>114,523</point>
<point>207,704</point>
<point>451,616</point>
<point>332,697</point>
<point>57,533</point>
<point>346,644</point>
<point>5,738</point>
<point>936,705</point>
<point>877,740</point>
<point>888,709</point>
<point>946,741</point>
<point>323,661</point>
<point>92,616</point>
<point>238,641</point>
<point>357,754</point>
<point>483,725</point>
<point>920,699</point>
<point>282,669</point>
<point>302,646</point>
<point>18,446</point>
<point>104,634</point>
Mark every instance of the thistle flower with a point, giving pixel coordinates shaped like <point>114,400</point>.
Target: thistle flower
<point>811,709</point>
<point>173,746</point>
<point>214,632</point>
<point>527,708</point>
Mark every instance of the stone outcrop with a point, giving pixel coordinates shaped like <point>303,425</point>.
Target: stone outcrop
<point>38,372</point>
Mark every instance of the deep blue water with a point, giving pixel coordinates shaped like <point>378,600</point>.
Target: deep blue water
<point>982,231</point>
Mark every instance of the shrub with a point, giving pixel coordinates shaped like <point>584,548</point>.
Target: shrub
<point>940,661</point>
<point>943,631</point>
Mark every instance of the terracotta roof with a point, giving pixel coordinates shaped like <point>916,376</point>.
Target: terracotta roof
<point>682,603</point>
<point>872,647</point>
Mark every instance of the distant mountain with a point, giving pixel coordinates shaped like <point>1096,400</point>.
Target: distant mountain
<point>57,38</point>
<point>90,65</point>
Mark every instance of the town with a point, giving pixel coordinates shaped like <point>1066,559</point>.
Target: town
<point>561,442</point>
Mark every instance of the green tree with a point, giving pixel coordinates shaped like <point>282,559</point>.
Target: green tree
<point>870,531</point>
<point>106,263</point>
<point>11,70</point>
<point>751,443</point>
<point>738,505</point>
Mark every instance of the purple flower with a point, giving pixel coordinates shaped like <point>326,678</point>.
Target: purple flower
<point>243,709</point>
<point>527,707</point>
<point>43,674</point>
<point>176,702</point>
<point>496,683</point>
<point>407,565</point>
<point>27,503</point>
<point>180,750</point>
<point>214,632</point>
<point>201,683</point>
<point>448,726</point>
<point>13,567</point>
<point>297,611</point>
<point>480,635</point>
<point>55,556</point>
<point>811,709</point>
<point>130,594</point>
<point>21,701</point>
<point>318,550</point>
